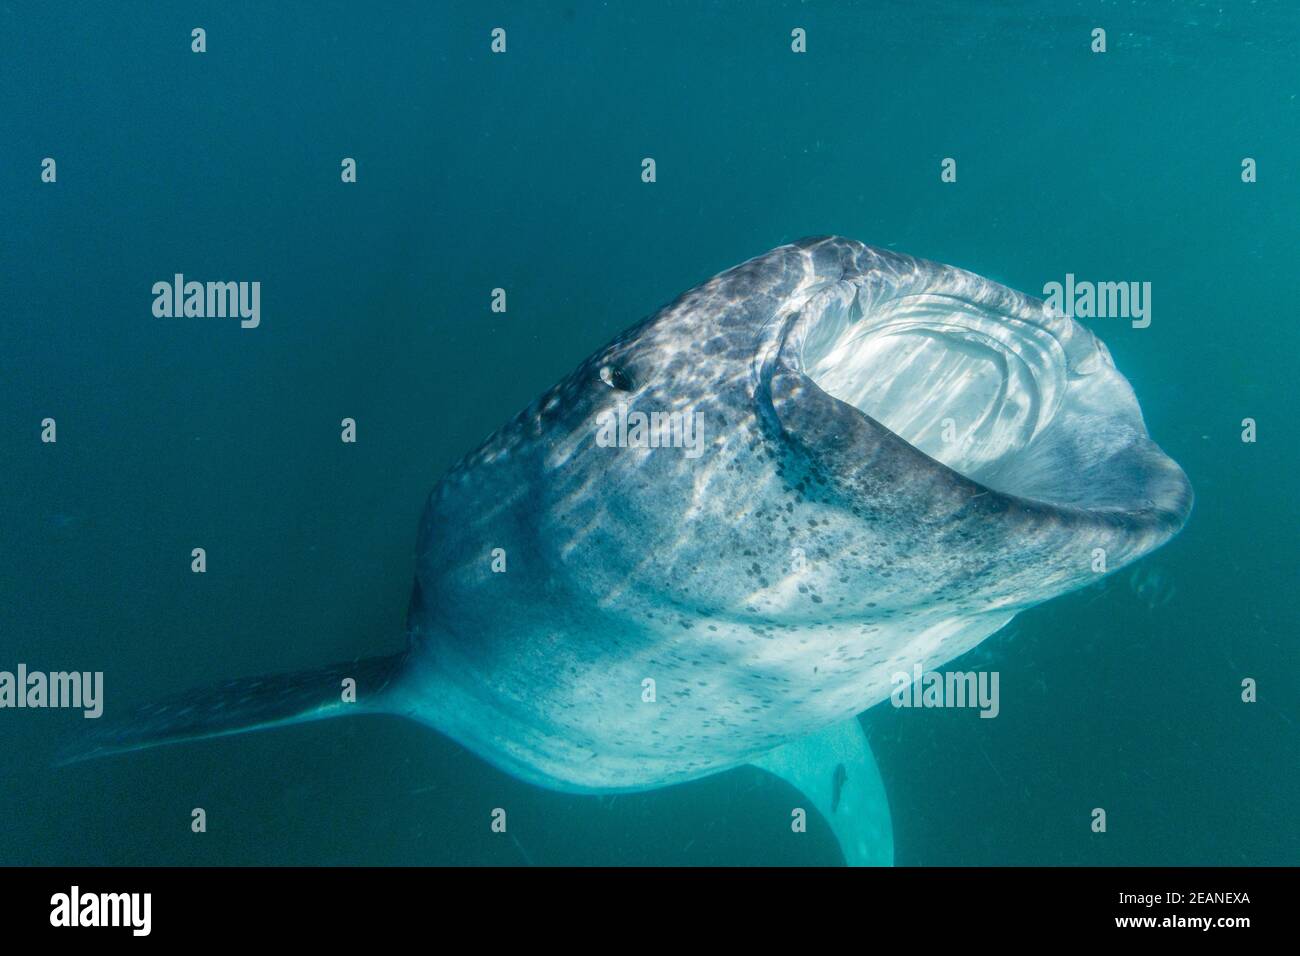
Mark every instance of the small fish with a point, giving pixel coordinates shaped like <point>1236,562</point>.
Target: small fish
<point>837,785</point>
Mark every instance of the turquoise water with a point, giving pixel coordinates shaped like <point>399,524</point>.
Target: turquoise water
<point>522,171</point>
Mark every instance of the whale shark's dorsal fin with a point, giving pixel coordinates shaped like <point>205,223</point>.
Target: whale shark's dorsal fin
<point>834,768</point>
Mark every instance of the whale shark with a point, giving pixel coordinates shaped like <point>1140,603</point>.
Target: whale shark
<point>892,458</point>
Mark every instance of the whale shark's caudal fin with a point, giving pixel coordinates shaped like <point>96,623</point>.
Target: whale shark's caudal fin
<point>834,769</point>
<point>236,706</point>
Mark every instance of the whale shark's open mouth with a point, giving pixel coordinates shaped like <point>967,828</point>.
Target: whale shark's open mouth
<point>968,388</point>
<point>992,384</point>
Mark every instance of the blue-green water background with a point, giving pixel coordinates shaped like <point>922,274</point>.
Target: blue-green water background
<point>523,171</point>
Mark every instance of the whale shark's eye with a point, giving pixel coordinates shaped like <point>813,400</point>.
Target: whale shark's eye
<point>615,377</point>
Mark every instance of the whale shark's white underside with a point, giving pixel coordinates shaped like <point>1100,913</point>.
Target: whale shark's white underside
<point>898,457</point>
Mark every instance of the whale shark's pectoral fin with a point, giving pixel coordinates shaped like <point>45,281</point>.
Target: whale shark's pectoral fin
<point>835,769</point>
<point>238,706</point>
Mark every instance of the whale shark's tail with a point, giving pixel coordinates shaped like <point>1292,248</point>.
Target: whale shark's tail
<point>250,703</point>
